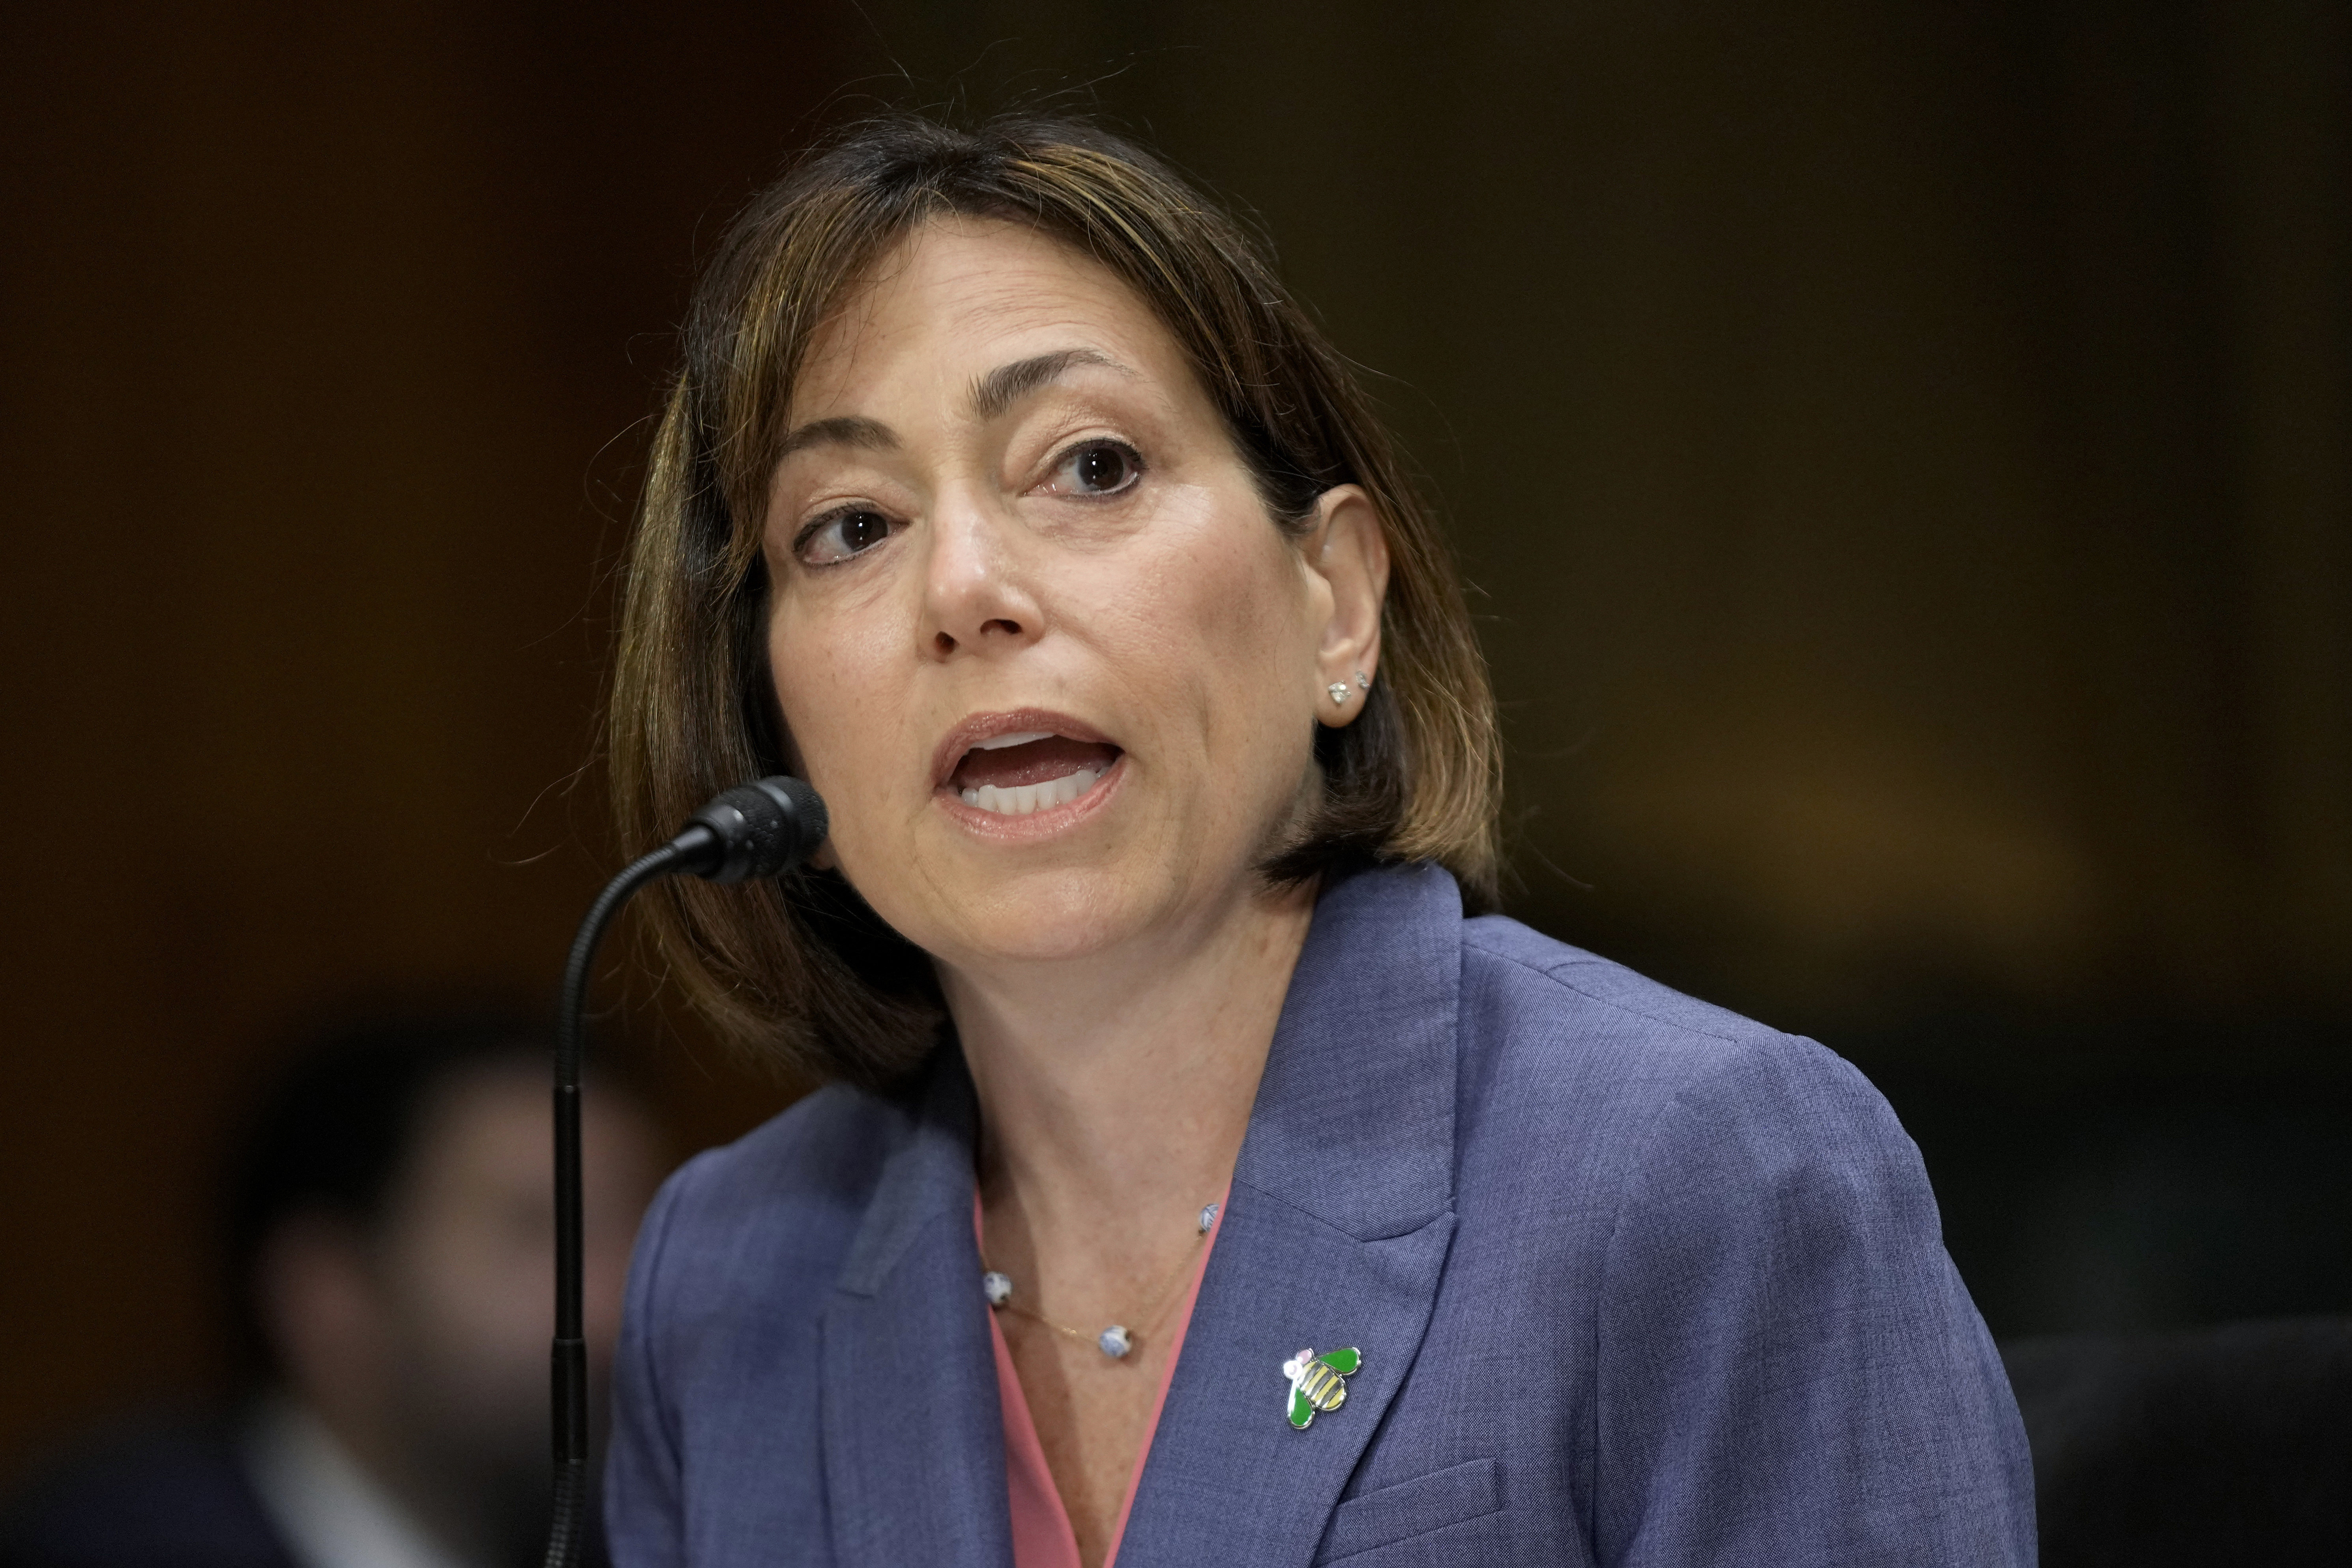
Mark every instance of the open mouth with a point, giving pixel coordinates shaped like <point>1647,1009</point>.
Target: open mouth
<point>1030,771</point>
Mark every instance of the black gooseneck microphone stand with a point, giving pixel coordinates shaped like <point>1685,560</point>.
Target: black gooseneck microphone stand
<point>758,830</point>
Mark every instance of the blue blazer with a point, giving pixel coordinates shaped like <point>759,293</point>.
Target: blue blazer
<point>1636,1281</point>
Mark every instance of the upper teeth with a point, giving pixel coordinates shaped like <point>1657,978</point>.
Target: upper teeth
<point>1023,799</point>
<point>1020,738</point>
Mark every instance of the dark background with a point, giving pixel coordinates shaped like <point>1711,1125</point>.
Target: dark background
<point>1904,455</point>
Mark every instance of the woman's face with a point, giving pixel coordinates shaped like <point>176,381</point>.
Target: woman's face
<point>1038,644</point>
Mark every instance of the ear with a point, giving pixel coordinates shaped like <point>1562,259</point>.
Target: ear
<point>1348,551</point>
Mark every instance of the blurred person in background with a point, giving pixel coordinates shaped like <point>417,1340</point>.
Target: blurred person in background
<point>390,1257</point>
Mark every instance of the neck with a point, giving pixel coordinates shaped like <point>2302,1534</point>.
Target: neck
<point>1115,1090</point>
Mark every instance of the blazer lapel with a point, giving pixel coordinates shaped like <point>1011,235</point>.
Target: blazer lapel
<point>1335,1234</point>
<point>914,1437</point>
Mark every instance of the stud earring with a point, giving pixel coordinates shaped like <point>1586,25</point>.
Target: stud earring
<point>1338,690</point>
<point>1363,681</point>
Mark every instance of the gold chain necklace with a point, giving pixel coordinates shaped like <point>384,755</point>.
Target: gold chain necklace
<point>1117,1339</point>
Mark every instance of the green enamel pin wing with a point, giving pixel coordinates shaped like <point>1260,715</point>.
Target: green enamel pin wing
<point>1319,1384</point>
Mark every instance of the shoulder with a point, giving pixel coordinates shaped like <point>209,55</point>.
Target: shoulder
<point>774,1211</point>
<point>1556,1040</point>
<point>174,1492</point>
<point>1746,1246</point>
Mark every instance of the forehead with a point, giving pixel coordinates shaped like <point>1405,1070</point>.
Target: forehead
<point>485,1127</point>
<point>957,298</point>
<point>491,1117</point>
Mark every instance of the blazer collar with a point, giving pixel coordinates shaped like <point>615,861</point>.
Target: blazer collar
<point>1335,1234</point>
<point>1354,1119</point>
<point>927,1177</point>
<point>912,1429</point>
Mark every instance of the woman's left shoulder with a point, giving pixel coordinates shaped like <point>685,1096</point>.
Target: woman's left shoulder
<point>1549,1026</point>
<point>1742,1241</point>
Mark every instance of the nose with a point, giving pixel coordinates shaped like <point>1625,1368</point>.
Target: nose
<point>976,597</point>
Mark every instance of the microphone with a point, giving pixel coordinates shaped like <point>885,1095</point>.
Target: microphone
<point>759,830</point>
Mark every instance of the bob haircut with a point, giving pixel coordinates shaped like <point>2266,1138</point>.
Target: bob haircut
<point>799,970</point>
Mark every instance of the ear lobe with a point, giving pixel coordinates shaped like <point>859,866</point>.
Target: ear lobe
<point>1350,554</point>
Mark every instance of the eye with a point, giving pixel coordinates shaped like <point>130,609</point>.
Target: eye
<point>838,535</point>
<point>1096,468</point>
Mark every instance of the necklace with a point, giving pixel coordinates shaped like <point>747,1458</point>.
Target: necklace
<point>1117,1339</point>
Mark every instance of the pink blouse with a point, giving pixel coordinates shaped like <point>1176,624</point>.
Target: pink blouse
<point>1042,1536</point>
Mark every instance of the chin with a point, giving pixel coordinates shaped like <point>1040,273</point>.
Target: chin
<point>1045,916</point>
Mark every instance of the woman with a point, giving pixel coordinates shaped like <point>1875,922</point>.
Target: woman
<point>1196,1184</point>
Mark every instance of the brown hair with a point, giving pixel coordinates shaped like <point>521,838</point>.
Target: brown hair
<point>799,969</point>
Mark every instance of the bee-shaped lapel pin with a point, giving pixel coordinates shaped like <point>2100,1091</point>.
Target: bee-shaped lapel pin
<point>1320,1382</point>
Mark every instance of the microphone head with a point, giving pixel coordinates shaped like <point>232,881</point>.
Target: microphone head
<point>764,829</point>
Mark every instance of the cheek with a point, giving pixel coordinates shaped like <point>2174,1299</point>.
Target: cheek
<point>474,1309</point>
<point>1224,616</point>
<point>830,675</point>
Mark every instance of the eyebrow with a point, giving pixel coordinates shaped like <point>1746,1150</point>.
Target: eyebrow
<point>992,395</point>
<point>849,430</point>
<point>1002,387</point>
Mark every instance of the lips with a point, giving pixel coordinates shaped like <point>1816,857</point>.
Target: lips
<point>1018,764</point>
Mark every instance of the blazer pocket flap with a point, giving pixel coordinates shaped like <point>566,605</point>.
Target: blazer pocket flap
<point>1408,1508</point>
